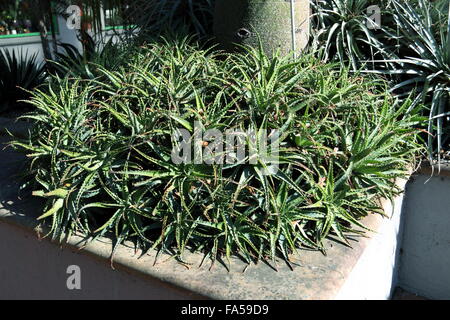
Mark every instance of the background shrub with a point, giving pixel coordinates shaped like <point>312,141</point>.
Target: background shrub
<point>19,72</point>
<point>343,33</point>
<point>109,55</point>
<point>421,66</point>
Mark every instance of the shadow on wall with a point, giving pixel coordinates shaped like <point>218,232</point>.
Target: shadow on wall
<point>425,258</point>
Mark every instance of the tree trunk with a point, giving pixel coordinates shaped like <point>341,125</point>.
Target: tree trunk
<point>53,26</point>
<point>243,21</point>
<point>45,45</point>
<point>46,15</point>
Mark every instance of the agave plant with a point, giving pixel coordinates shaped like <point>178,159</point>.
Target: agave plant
<point>343,29</point>
<point>19,73</point>
<point>424,63</point>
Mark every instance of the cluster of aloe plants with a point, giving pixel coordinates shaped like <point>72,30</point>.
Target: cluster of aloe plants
<point>100,152</point>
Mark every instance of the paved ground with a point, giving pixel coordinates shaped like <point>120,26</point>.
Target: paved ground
<point>401,294</point>
<point>12,201</point>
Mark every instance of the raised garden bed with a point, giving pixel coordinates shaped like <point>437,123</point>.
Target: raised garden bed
<point>33,267</point>
<point>103,148</point>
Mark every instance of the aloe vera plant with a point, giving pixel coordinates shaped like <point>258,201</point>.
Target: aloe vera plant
<point>100,152</point>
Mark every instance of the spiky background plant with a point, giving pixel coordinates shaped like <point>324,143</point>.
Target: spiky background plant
<point>109,55</point>
<point>19,72</point>
<point>343,29</point>
<point>411,50</point>
<point>100,152</point>
<point>422,66</point>
<point>154,16</point>
<point>151,16</point>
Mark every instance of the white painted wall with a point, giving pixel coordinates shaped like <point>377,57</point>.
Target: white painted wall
<point>33,45</point>
<point>30,44</point>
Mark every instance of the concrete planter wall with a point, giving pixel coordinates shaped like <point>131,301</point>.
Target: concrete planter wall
<point>425,258</point>
<point>32,267</point>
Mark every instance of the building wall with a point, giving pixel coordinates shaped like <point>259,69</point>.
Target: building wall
<point>375,275</point>
<point>33,44</point>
